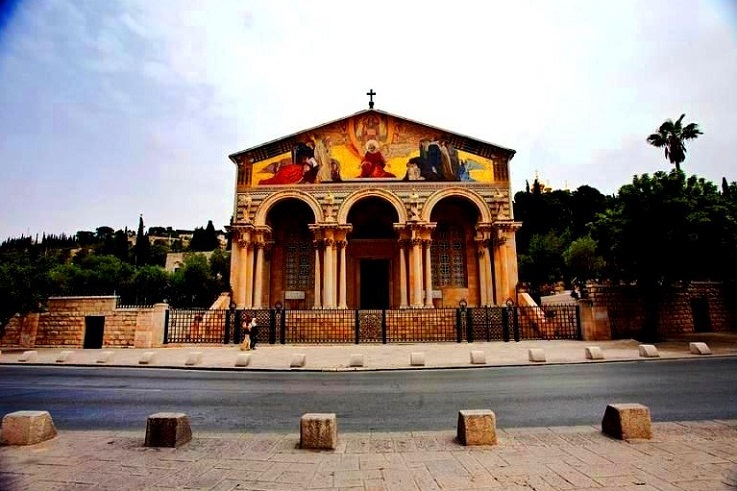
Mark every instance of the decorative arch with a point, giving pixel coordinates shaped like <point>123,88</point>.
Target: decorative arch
<point>266,205</point>
<point>472,196</point>
<point>352,199</point>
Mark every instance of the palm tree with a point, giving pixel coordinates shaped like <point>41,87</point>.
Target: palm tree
<point>673,136</point>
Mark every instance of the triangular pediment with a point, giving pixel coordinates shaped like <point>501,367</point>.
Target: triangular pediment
<point>354,146</point>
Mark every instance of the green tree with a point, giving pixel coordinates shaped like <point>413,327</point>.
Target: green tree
<point>672,137</point>
<point>142,249</point>
<point>664,229</point>
<point>204,240</point>
<point>24,285</point>
<point>581,259</point>
<point>148,285</point>
<point>193,284</point>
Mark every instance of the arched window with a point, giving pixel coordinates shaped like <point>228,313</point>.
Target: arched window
<point>298,261</point>
<point>449,256</point>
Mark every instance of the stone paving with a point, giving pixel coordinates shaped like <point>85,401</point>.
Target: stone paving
<point>697,456</point>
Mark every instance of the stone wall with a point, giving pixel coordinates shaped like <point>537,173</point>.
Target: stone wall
<point>64,324</point>
<point>626,310</point>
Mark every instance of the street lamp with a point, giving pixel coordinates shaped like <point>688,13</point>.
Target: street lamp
<point>463,304</point>
<point>278,306</point>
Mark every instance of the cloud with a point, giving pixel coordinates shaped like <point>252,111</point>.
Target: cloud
<point>110,109</point>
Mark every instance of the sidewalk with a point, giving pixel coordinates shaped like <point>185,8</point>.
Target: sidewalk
<point>376,356</point>
<point>696,456</point>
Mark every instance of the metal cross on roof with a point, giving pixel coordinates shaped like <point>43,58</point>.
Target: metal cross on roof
<point>371,95</point>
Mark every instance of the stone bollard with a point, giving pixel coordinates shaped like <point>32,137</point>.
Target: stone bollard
<point>594,353</point>
<point>147,358</point>
<point>476,427</point>
<point>627,421</point>
<point>355,361</point>
<point>536,354</point>
<point>167,430</point>
<point>417,359</point>
<point>194,358</point>
<point>105,357</point>
<point>27,428</point>
<point>63,356</point>
<point>648,351</point>
<point>242,359</point>
<point>699,349</point>
<point>318,430</point>
<point>298,361</point>
<point>478,358</point>
<point>28,356</point>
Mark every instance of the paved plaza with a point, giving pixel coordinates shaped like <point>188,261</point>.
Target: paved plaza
<point>697,455</point>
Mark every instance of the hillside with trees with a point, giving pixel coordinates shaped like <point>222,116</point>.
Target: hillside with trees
<point>113,262</point>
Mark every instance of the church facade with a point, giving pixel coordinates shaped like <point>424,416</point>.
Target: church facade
<point>373,211</point>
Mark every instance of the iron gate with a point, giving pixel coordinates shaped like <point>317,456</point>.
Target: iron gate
<point>344,326</point>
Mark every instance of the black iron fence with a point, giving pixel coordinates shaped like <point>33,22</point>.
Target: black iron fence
<point>344,326</point>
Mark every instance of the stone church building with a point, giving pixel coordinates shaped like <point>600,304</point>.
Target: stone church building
<point>373,211</point>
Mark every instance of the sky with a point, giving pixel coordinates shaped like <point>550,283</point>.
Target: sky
<point>111,109</point>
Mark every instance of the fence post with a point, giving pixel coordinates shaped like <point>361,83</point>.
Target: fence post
<point>357,326</point>
<point>166,327</point>
<point>514,311</point>
<point>505,324</point>
<point>459,326</point>
<point>237,322</point>
<point>383,326</point>
<point>579,331</point>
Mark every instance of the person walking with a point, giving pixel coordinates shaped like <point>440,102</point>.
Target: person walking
<point>253,332</point>
<point>246,333</point>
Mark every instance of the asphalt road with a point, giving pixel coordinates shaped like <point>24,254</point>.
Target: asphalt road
<point>561,395</point>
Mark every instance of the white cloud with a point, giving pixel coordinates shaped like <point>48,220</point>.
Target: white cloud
<point>115,108</point>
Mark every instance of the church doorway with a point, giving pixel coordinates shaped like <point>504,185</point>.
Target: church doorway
<point>372,250</point>
<point>374,280</point>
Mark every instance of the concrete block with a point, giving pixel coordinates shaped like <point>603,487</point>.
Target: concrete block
<point>194,358</point>
<point>147,358</point>
<point>536,354</point>
<point>168,430</point>
<point>627,421</point>
<point>298,361</point>
<point>699,349</point>
<point>318,430</point>
<point>242,359</point>
<point>28,356</point>
<point>594,353</point>
<point>63,356</point>
<point>27,428</point>
<point>355,361</point>
<point>648,351</point>
<point>417,359</point>
<point>478,358</point>
<point>105,357</point>
<point>476,427</point>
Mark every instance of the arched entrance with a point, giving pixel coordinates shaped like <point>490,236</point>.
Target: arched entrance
<point>453,252</point>
<point>372,249</point>
<point>292,273</point>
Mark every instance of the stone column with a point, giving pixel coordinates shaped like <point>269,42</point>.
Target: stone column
<point>235,265</point>
<point>489,281</point>
<point>329,281</point>
<point>342,303</point>
<point>402,274</point>
<point>259,282</point>
<point>243,272</point>
<point>249,275</point>
<point>483,293</point>
<point>416,272</point>
<point>428,273</point>
<point>318,276</point>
